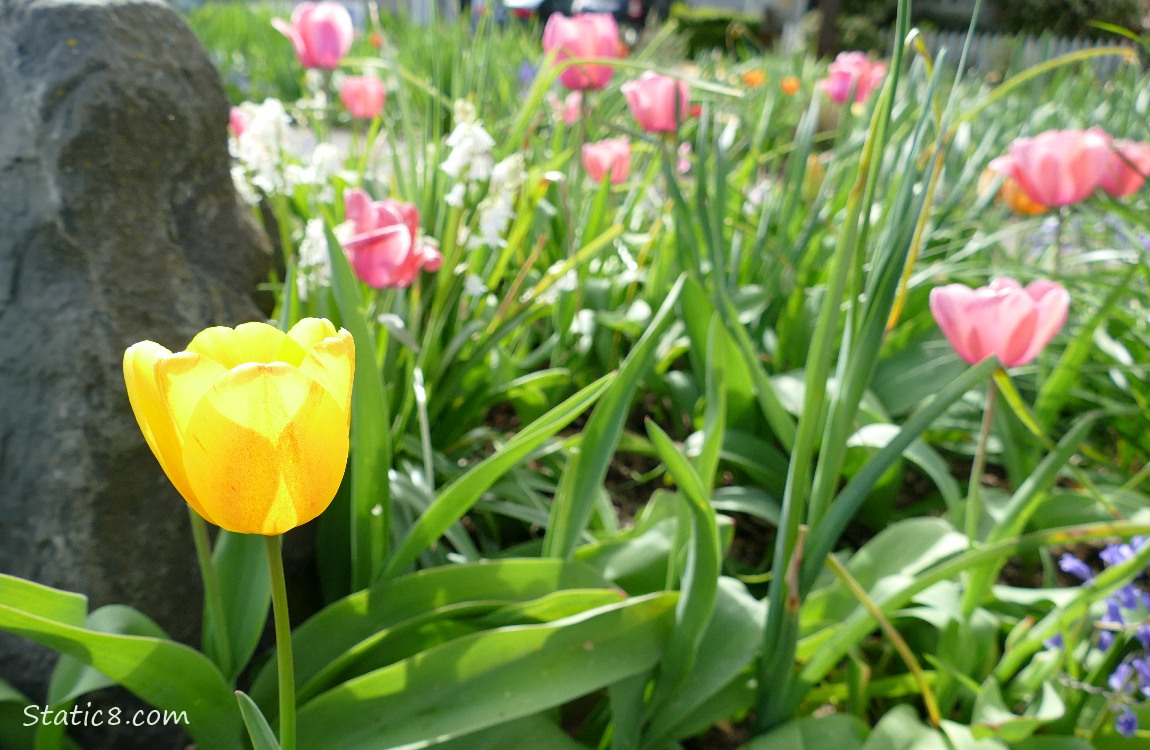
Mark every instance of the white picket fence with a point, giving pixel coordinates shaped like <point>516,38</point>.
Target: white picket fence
<point>1000,52</point>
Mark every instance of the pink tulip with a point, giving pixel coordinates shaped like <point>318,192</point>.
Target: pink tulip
<point>612,155</point>
<point>383,249</point>
<point>363,96</point>
<point>1004,319</point>
<point>588,35</point>
<point>1058,167</point>
<point>658,102</point>
<point>852,71</point>
<point>320,32</point>
<point>1127,169</point>
<point>237,121</point>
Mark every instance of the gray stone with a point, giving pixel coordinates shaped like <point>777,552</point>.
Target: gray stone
<point>120,224</point>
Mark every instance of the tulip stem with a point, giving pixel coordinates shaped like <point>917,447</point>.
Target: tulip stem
<point>213,598</point>
<point>974,492</point>
<point>284,659</point>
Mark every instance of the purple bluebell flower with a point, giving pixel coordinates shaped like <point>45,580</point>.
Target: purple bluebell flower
<point>1143,635</point>
<point>1142,669</point>
<point>1127,596</point>
<point>1121,678</point>
<point>1105,639</point>
<point>1126,723</point>
<point>1114,613</point>
<point>1116,553</point>
<point>1071,565</point>
<point>1054,641</point>
<point>527,73</point>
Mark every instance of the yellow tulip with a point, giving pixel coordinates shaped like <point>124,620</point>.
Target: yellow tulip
<point>250,424</point>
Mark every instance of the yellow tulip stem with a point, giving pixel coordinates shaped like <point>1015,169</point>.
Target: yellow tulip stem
<point>213,598</point>
<point>284,659</point>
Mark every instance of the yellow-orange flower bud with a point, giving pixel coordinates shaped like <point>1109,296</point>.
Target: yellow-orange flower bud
<point>250,424</point>
<point>1010,194</point>
<point>754,77</point>
<point>790,85</point>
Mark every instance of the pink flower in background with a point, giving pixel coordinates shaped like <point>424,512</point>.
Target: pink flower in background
<point>1127,168</point>
<point>237,121</point>
<point>363,96</point>
<point>684,163</point>
<point>612,155</point>
<point>382,247</point>
<point>852,71</point>
<point>1003,319</point>
<point>1057,167</point>
<point>572,107</point>
<point>588,35</point>
<point>320,32</point>
<point>658,102</point>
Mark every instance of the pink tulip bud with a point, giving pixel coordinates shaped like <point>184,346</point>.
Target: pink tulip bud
<point>612,155</point>
<point>383,249</point>
<point>658,102</point>
<point>363,96</point>
<point>237,121</point>
<point>1058,167</point>
<point>1004,319</point>
<point>1127,169</point>
<point>852,71</point>
<point>320,32</point>
<point>585,36</point>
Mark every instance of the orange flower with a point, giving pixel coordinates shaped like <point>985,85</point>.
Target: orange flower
<point>376,39</point>
<point>790,85</point>
<point>1010,194</point>
<point>754,78</point>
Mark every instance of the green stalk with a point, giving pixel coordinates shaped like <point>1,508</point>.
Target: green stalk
<point>776,678</point>
<point>213,597</point>
<point>284,660</point>
<point>974,492</point>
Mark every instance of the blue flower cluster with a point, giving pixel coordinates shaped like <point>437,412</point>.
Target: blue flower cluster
<point>1126,610</point>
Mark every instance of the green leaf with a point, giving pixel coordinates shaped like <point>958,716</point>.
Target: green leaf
<point>370,445</point>
<point>167,675</point>
<point>1053,743</point>
<point>489,678</point>
<point>43,601</point>
<point>242,570</point>
<point>583,477</point>
<point>823,538</point>
<point>728,646</point>
<point>704,563</point>
<point>457,498</point>
<point>535,731</point>
<point>902,729</point>
<point>838,731</point>
<point>13,732</point>
<point>992,718</point>
<point>343,624</point>
<point>259,732</point>
<point>885,564</point>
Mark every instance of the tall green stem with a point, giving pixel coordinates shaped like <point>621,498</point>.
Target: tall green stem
<point>974,493</point>
<point>284,660</point>
<point>213,598</point>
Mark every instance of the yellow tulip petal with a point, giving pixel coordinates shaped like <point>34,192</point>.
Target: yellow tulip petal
<point>140,363</point>
<point>310,331</point>
<point>183,379</point>
<point>265,449</point>
<point>331,362</point>
<point>249,342</point>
